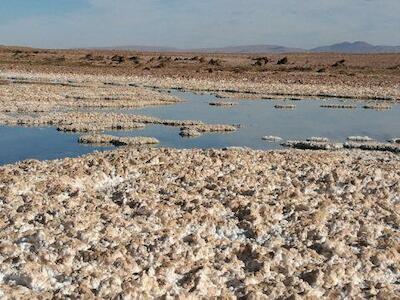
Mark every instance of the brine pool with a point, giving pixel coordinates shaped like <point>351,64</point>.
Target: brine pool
<point>257,118</point>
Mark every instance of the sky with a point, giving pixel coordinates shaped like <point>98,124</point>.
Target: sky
<point>197,23</point>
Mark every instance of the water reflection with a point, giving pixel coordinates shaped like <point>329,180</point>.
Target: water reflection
<point>256,117</point>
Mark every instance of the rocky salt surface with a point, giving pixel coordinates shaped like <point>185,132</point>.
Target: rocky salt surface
<point>212,128</point>
<point>395,141</point>
<point>221,103</point>
<point>285,106</point>
<point>318,139</point>
<point>57,100</point>
<point>373,146</point>
<point>313,145</point>
<point>198,130</point>
<point>224,88</point>
<point>377,106</point>
<point>62,100</point>
<point>335,106</point>
<point>147,223</point>
<point>100,126</point>
<point>97,121</point>
<point>189,132</point>
<point>360,143</point>
<point>360,139</point>
<point>46,92</point>
<point>116,140</point>
<point>271,138</point>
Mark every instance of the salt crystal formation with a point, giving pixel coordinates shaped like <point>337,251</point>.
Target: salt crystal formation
<point>345,106</point>
<point>373,146</point>
<point>222,103</point>
<point>377,106</point>
<point>100,126</point>
<point>360,143</point>
<point>162,223</point>
<point>285,106</point>
<point>360,139</point>
<point>59,101</point>
<point>213,128</point>
<point>86,122</point>
<point>117,140</point>
<point>271,138</point>
<point>395,141</point>
<point>313,145</point>
<point>234,88</point>
<point>189,132</point>
<point>318,139</point>
<point>46,94</point>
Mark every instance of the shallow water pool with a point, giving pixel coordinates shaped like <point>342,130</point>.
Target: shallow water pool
<point>257,118</point>
<point>20,143</point>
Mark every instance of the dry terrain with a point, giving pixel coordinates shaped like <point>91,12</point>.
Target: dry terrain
<point>162,222</point>
<point>165,223</point>
<point>354,70</point>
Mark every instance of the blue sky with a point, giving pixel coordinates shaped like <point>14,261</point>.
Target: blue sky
<point>17,9</point>
<point>197,23</point>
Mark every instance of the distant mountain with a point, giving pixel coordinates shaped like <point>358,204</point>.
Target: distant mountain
<point>142,48</point>
<point>251,49</point>
<point>233,49</point>
<point>357,47</point>
<point>345,47</point>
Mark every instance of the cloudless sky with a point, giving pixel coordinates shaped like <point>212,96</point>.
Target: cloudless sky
<point>16,9</point>
<point>197,23</point>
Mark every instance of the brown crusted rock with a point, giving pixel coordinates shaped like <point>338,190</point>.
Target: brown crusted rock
<point>318,139</point>
<point>222,103</point>
<point>345,106</point>
<point>339,63</point>
<point>395,141</point>
<point>313,145</point>
<point>283,61</point>
<point>377,106</point>
<point>373,146</point>
<point>285,106</point>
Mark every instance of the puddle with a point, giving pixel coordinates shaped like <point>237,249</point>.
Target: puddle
<point>260,118</point>
<point>257,118</point>
<point>20,143</point>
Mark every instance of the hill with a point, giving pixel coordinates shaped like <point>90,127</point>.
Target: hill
<point>357,47</point>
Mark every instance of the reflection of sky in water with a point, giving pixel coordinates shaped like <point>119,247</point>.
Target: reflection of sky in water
<point>257,118</point>
<point>20,143</point>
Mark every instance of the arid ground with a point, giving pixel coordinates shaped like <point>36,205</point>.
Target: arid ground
<point>306,68</point>
<point>138,222</point>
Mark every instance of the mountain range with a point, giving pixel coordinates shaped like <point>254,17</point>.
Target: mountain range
<point>357,47</point>
<point>345,47</point>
